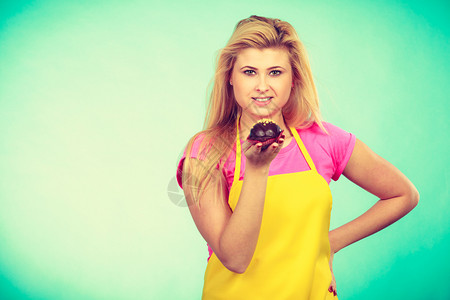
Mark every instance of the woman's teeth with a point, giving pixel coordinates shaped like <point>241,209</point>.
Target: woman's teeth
<point>262,99</point>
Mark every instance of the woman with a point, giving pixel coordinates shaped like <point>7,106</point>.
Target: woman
<point>265,214</point>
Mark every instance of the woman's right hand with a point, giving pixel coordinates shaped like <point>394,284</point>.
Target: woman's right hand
<point>260,159</point>
<point>233,234</point>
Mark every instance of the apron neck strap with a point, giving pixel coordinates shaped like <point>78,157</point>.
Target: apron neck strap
<point>237,169</point>
<point>303,149</point>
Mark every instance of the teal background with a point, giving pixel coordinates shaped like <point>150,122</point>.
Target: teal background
<point>98,99</point>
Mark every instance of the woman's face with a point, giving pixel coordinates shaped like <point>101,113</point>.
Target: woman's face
<point>262,82</point>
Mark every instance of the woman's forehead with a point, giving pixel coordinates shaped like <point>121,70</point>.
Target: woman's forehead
<point>263,58</point>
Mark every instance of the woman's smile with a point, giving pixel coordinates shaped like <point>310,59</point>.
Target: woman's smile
<point>262,101</point>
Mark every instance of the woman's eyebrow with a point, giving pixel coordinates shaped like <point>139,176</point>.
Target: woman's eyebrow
<point>274,67</point>
<point>249,67</point>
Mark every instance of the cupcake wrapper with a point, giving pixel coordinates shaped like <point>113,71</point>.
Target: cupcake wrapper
<point>266,143</point>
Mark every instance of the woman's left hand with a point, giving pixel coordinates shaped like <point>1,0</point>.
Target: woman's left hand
<point>332,288</point>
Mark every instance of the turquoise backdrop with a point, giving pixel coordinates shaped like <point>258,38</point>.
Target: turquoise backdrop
<point>98,99</point>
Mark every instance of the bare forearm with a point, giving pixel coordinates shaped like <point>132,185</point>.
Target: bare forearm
<point>238,241</point>
<point>379,216</point>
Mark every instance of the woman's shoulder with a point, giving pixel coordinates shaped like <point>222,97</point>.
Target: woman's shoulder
<point>336,144</point>
<point>199,147</point>
<point>332,132</point>
<point>315,128</point>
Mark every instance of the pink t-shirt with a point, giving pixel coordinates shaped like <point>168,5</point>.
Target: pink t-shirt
<point>330,154</point>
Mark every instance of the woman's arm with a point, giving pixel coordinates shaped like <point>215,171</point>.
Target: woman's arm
<point>397,194</point>
<point>233,235</point>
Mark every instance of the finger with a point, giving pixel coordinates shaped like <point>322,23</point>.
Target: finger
<point>251,146</point>
<point>246,145</point>
<point>255,148</point>
<point>332,289</point>
<point>277,145</point>
<point>282,137</point>
<point>274,146</point>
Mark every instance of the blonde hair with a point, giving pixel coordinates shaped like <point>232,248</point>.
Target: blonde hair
<point>219,134</point>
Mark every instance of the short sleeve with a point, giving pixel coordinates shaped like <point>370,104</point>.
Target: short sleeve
<point>194,153</point>
<point>342,144</point>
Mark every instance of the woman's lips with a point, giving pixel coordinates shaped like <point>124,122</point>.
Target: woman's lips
<point>262,101</point>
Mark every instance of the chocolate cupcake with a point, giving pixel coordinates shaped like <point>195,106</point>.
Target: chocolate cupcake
<point>265,131</point>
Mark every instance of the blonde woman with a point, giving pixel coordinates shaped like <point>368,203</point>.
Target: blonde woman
<point>265,215</point>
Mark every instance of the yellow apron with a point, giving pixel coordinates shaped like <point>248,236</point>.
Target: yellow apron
<point>291,259</point>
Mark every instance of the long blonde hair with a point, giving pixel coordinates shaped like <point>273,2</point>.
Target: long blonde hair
<point>219,134</point>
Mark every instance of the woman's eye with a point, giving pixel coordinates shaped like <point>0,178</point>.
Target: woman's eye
<point>249,72</point>
<point>275,72</point>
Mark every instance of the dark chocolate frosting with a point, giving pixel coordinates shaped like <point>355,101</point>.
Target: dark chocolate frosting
<point>265,131</point>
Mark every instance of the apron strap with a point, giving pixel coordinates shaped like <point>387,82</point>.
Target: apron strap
<point>237,168</point>
<point>303,149</point>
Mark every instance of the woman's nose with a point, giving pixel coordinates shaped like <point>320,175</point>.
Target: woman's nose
<point>262,85</point>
